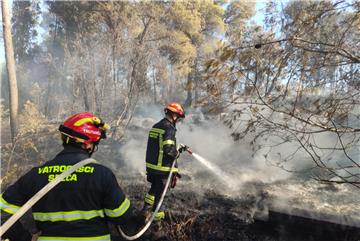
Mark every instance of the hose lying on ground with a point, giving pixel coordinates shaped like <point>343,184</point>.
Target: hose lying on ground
<point>40,194</point>
<point>147,225</point>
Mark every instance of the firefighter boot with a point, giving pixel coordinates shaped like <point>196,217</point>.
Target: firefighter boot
<point>157,230</point>
<point>148,206</point>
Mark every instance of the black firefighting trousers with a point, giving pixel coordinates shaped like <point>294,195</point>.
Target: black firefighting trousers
<point>158,183</point>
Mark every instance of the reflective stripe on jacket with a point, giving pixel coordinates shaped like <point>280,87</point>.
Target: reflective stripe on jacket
<point>161,148</point>
<point>79,207</point>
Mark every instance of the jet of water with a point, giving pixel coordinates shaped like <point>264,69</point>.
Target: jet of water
<point>230,182</point>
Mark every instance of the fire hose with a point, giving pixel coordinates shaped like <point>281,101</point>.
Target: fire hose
<point>147,225</point>
<point>63,175</point>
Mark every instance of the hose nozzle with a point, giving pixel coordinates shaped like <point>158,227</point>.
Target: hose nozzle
<point>183,147</point>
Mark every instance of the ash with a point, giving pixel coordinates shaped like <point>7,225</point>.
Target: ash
<point>202,212</point>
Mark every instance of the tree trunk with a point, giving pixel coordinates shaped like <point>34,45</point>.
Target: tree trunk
<point>85,93</point>
<point>48,100</point>
<point>10,64</point>
<point>154,84</point>
<point>189,89</point>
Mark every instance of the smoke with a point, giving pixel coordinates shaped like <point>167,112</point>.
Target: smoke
<point>134,150</point>
<point>212,140</point>
<point>240,160</point>
<point>237,168</point>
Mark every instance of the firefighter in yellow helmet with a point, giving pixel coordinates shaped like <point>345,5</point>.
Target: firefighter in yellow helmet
<point>160,154</point>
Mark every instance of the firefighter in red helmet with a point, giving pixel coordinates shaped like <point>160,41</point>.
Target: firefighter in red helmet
<point>160,153</point>
<point>82,204</point>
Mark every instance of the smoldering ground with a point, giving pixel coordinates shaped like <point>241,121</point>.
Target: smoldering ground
<point>242,170</point>
<point>209,138</point>
<point>242,160</point>
<point>202,206</point>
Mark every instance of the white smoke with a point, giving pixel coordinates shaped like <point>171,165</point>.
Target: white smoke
<point>212,140</point>
<point>209,138</point>
<point>245,169</point>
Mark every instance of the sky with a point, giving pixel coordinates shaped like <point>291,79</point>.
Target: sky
<point>260,4</point>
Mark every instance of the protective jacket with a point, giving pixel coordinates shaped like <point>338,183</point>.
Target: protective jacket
<point>77,208</point>
<point>161,148</point>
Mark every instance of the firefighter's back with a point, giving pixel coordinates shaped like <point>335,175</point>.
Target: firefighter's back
<point>80,206</point>
<point>74,208</point>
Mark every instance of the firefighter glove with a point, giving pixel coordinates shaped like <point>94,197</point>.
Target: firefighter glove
<point>182,148</point>
<point>174,179</point>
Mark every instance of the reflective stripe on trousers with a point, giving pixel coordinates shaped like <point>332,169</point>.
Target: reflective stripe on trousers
<point>159,216</point>
<point>95,238</point>
<point>149,199</point>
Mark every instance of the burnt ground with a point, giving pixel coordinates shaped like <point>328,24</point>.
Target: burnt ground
<point>194,213</point>
<point>212,216</point>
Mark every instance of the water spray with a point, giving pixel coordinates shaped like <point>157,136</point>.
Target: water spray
<point>230,182</point>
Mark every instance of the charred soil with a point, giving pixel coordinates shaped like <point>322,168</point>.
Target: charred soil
<point>213,216</point>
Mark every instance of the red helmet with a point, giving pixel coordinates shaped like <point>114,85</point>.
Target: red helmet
<point>85,128</point>
<point>175,108</point>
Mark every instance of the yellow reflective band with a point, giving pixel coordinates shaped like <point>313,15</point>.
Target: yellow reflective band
<point>159,216</point>
<point>83,121</point>
<point>7,207</point>
<point>168,142</point>
<point>161,168</point>
<point>157,130</point>
<point>67,216</point>
<point>95,238</point>
<point>161,152</point>
<point>148,201</point>
<point>124,206</point>
<point>149,196</point>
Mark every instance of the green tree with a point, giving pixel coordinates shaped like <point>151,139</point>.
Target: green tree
<point>25,20</point>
